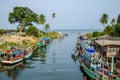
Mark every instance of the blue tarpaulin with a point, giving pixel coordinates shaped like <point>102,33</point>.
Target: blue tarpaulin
<point>44,39</point>
<point>90,50</point>
<point>15,52</point>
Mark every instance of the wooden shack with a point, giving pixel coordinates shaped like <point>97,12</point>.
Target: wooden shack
<point>111,48</point>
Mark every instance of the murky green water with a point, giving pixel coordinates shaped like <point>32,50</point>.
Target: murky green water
<point>52,63</point>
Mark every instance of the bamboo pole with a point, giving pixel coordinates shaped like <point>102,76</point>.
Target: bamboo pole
<point>112,63</point>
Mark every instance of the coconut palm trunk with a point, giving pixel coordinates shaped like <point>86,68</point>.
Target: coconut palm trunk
<point>113,24</point>
<point>104,20</point>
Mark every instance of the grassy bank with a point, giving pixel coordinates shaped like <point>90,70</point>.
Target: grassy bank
<point>53,35</point>
<point>26,40</point>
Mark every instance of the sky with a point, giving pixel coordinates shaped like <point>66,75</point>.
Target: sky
<point>70,14</point>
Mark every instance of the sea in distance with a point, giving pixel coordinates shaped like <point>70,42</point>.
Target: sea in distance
<point>51,63</point>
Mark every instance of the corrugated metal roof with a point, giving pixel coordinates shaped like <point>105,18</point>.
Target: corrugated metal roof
<point>107,42</point>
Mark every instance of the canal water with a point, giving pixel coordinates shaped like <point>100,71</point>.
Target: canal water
<point>51,63</point>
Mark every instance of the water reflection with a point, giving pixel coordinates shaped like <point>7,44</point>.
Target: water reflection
<point>40,55</point>
<point>14,72</point>
<point>54,58</point>
<point>75,58</point>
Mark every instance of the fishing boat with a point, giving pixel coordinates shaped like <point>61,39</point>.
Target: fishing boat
<point>75,53</point>
<point>48,41</point>
<point>75,58</point>
<point>93,75</point>
<point>86,63</point>
<point>43,42</point>
<point>40,45</point>
<point>13,55</point>
<point>93,65</point>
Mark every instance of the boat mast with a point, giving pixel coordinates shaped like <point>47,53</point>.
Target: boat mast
<point>103,57</point>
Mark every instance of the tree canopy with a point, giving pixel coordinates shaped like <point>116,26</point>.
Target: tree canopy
<point>1,31</point>
<point>118,19</point>
<point>108,29</point>
<point>113,21</point>
<point>41,19</point>
<point>32,30</point>
<point>53,15</point>
<point>22,15</point>
<point>117,26</point>
<point>118,30</point>
<point>104,19</point>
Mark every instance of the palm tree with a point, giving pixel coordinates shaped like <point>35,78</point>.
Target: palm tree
<point>41,19</point>
<point>113,24</point>
<point>108,29</point>
<point>53,15</point>
<point>47,26</point>
<point>104,19</point>
<point>113,21</point>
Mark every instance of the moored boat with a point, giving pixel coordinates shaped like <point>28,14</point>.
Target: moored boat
<point>13,56</point>
<point>93,65</point>
<point>43,42</point>
<point>75,53</point>
<point>40,45</point>
<point>92,74</point>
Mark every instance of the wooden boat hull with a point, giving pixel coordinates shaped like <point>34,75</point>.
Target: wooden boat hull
<point>91,74</point>
<point>27,57</point>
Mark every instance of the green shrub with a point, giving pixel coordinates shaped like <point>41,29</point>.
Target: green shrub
<point>1,31</point>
